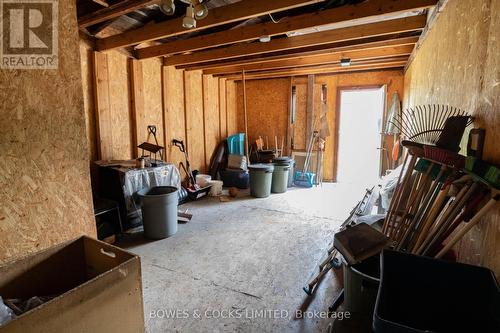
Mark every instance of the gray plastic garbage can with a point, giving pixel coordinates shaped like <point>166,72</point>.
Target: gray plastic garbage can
<point>280,178</point>
<point>159,211</point>
<point>261,177</point>
<point>361,283</point>
<point>281,174</point>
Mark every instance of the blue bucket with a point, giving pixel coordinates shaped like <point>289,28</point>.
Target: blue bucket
<point>236,144</point>
<point>305,179</point>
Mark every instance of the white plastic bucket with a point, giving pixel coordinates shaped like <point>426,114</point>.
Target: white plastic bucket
<point>203,180</point>
<point>216,188</point>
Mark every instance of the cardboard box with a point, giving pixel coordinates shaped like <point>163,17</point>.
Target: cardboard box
<point>97,286</point>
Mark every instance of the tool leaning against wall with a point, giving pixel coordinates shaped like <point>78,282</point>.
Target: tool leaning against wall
<point>192,190</point>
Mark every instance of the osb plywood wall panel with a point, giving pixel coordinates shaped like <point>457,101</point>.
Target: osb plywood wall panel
<point>119,98</point>
<point>211,114</point>
<point>458,64</point>
<point>231,108</point>
<point>156,95</point>
<point>175,126</point>
<point>44,177</point>
<point>86,56</point>
<point>267,109</point>
<point>300,123</point>
<point>222,109</point>
<point>137,121</point>
<point>112,106</point>
<point>153,104</point>
<point>299,126</point>
<point>193,95</point>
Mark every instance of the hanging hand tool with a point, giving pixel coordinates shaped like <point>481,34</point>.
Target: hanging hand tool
<point>191,180</point>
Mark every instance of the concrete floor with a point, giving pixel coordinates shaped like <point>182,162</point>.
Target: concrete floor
<point>244,259</point>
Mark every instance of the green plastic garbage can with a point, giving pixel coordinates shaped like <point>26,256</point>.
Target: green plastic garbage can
<point>261,177</point>
<point>159,211</point>
<point>280,178</point>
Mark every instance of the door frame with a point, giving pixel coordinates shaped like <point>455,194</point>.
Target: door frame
<point>338,104</point>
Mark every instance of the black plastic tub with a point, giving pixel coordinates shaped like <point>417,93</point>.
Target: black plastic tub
<point>420,294</point>
<point>361,282</point>
<point>235,178</point>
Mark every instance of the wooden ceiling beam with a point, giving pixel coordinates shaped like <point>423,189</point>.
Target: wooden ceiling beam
<point>237,11</point>
<point>365,44</point>
<point>378,9</point>
<point>406,24</point>
<point>316,60</point>
<point>113,11</point>
<point>324,69</point>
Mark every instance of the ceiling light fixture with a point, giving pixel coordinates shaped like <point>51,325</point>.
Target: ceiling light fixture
<point>196,10</point>
<point>200,11</point>
<point>167,7</point>
<point>189,21</point>
<point>265,39</point>
<point>345,62</point>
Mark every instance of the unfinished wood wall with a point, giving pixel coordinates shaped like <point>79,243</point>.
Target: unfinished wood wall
<point>195,136</point>
<point>267,109</point>
<point>44,170</point>
<point>458,64</point>
<point>153,101</point>
<point>175,122</point>
<point>231,107</point>
<point>268,104</point>
<point>124,96</point>
<point>86,56</point>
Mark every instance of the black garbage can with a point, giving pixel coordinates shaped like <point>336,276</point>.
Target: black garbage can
<point>420,294</point>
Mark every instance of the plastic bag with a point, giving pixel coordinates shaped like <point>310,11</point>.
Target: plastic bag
<point>6,313</point>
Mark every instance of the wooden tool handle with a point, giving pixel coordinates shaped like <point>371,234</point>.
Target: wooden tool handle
<point>475,220</point>
<point>406,180</point>
<point>433,213</point>
<point>394,195</point>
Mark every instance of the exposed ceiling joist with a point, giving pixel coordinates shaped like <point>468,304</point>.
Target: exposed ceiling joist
<point>365,44</point>
<point>413,23</point>
<point>113,11</point>
<point>222,15</point>
<point>396,63</point>
<point>371,9</point>
<point>101,2</point>
<point>316,60</point>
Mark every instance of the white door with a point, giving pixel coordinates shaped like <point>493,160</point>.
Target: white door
<point>361,112</point>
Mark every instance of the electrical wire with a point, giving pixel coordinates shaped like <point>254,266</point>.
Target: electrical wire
<point>274,21</point>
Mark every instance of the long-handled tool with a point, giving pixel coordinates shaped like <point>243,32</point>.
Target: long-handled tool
<point>495,197</point>
<point>305,178</point>
<point>467,214</point>
<point>394,196</point>
<point>422,211</point>
<point>443,226</point>
<point>399,194</point>
<point>419,220</point>
<point>424,168</point>
<point>331,261</point>
<point>191,181</point>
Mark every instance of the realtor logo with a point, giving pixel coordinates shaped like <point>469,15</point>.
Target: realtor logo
<point>28,31</point>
